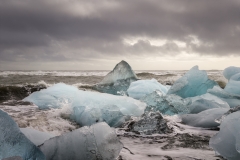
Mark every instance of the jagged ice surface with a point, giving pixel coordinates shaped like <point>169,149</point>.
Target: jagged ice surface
<point>193,83</point>
<point>14,143</point>
<point>98,141</point>
<point>141,88</point>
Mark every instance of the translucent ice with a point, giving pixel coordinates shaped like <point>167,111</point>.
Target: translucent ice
<point>204,119</point>
<point>14,143</point>
<point>206,101</point>
<point>233,85</point>
<point>151,123</point>
<point>230,71</point>
<point>232,99</point>
<point>193,83</point>
<point>35,136</point>
<point>168,104</point>
<point>141,88</point>
<point>227,141</point>
<point>96,142</point>
<point>88,107</point>
<point>118,80</point>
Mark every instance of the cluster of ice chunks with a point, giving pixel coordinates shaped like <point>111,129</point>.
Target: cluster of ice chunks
<point>204,119</point>
<point>141,88</point>
<point>151,123</point>
<point>35,136</point>
<point>14,143</point>
<point>227,141</point>
<point>118,80</point>
<point>193,83</point>
<point>88,107</point>
<point>230,71</point>
<point>98,141</point>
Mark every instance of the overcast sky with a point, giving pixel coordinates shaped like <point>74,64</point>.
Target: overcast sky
<point>97,34</point>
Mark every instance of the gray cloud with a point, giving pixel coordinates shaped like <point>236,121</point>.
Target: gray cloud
<point>71,30</point>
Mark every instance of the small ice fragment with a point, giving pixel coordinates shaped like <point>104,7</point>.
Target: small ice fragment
<point>230,71</point>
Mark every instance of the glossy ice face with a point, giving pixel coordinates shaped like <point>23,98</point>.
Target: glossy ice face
<point>14,143</point>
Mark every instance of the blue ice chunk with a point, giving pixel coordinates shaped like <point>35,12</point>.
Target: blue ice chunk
<point>141,88</point>
<point>227,141</point>
<point>204,119</point>
<point>193,83</point>
<point>14,143</point>
<point>35,136</point>
<point>118,80</point>
<point>88,107</point>
<point>230,71</point>
<point>232,99</point>
<point>168,105</point>
<point>233,85</point>
<point>206,101</point>
<point>98,141</point>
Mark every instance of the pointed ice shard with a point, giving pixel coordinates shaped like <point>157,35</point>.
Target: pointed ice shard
<point>141,88</point>
<point>118,80</point>
<point>14,143</point>
<point>96,142</point>
<point>204,119</point>
<point>227,141</point>
<point>193,83</point>
<point>230,71</point>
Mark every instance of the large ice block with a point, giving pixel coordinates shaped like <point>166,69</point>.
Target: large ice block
<point>98,141</point>
<point>35,136</point>
<point>118,80</point>
<point>227,141</point>
<point>169,104</point>
<point>193,83</point>
<point>88,107</point>
<point>230,71</point>
<point>141,88</point>
<point>14,143</point>
<point>232,99</point>
<point>204,119</point>
<point>206,101</point>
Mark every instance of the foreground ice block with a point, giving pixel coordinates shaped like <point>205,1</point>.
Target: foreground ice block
<point>168,104</point>
<point>232,99</point>
<point>151,123</point>
<point>35,136</point>
<point>193,83</point>
<point>230,71</point>
<point>88,107</point>
<point>118,80</point>
<point>87,143</point>
<point>141,88</point>
<point>227,141</point>
<point>206,101</point>
<point>204,119</point>
<point>14,143</point>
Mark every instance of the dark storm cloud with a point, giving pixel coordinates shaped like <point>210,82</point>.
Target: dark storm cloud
<point>65,30</point>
